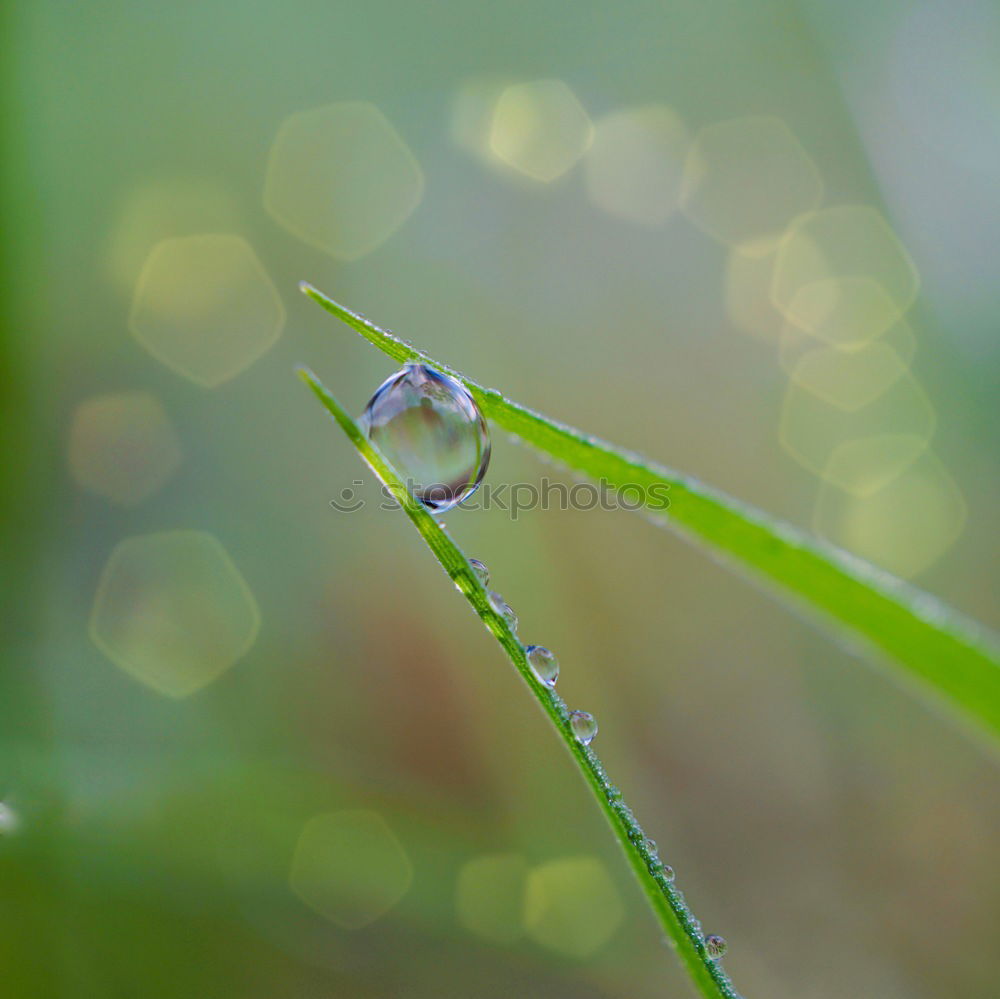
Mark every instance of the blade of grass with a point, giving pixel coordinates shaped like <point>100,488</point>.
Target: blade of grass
<point>667,902</point>
<point>949,655</point>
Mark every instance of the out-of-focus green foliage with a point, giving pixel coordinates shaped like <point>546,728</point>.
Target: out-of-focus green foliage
<point>523,202</point>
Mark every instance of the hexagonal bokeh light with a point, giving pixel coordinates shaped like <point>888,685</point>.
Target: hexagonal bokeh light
<point>489,896</point>
<point>745,180</point>
<point>163,207</point>
<point>572,906</point>
<point>843,274</point>
<point>122,446</point>
<point>905,526</point>
<point>796,343</point>
<point>849,379</point>
<point>173,611</point>
<point>540,129</point>
<point>205,307</point>
<point>861,466</point>
<point>350,867</point>
<point>635,165</point>
<point>341,178</point>
<point>874,441</point>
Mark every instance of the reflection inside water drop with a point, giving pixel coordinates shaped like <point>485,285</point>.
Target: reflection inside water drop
<point>482,573</point>
<point>432,432</point>
<point>504,609</point>
<point>584,726</point>
<point>543,664</point>
<point>715,946</point>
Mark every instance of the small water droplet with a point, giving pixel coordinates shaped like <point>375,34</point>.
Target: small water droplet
<point>614,793</point>
<point>715,946</point>
<point>584,726</point>
<point>504,609</point>
<point>668,872</point>
<point>651,846</point>
<point>432,432</point>
<point>543,664</point>
<point>482,573</point>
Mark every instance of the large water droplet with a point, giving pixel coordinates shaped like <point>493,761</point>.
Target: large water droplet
<point>584,726</point>
<point>504,609</point>
<point>432,432</point>
<point>543,664</point>
<point>715,946</point>
<point>482,573</point>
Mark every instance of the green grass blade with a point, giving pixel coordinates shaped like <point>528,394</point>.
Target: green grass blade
<point>667,902</point>
<point>949,655</point>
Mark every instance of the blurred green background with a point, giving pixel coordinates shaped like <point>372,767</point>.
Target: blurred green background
<point>251,746</point>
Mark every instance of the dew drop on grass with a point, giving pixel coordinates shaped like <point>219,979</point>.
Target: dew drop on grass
<point>651,846</point>
<point>479,568</point>
<point>584,727</point>
<point>667,872</point>
<point>432,432</point>
<point>504,609</point>
<point>543,664</point>
<point>715,946</point>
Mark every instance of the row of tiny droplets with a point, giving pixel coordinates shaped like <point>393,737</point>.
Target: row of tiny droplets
<point>545,668</point>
